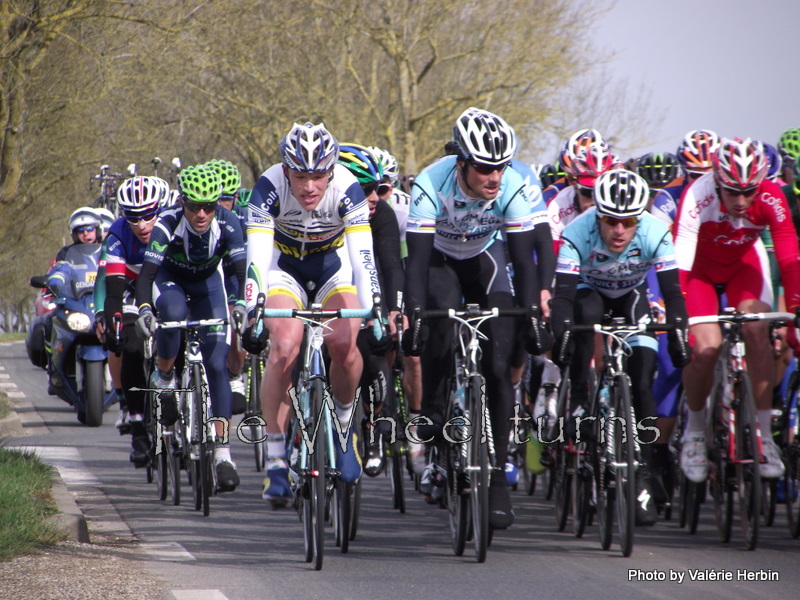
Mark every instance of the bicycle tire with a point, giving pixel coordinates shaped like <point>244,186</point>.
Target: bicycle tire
<point>342,509</point>
<point>458,502</point>
<point>625,468</point>
<point>769,501</point>
<point>318,482</point>
<point>161,469</point>
<point>355,508</point>
<point>255,369</point>
<point>174,468</point>
<point>748,472</point>
<point>603,476</point>
<point>581,493</point>
<point>479,457</point>
<point>563,487</point>
<point>791,480</point>
<point>396,464</point>
<point>204,461</point>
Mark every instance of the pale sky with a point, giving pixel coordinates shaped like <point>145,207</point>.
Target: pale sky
<point>723,65</point>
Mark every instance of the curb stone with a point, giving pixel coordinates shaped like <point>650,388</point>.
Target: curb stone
<point>70,520</point>
<point>11,425</point>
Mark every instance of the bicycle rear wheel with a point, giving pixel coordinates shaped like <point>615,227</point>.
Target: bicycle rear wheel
<point>625,463</point>
<point>204,462</point>
<point>396,464</point>
<point>748,457</point>
<point>581,491</point>
<point>174,467</point>
<point>563,485</point>
<point>479,480</point>
<point>160,467</point>
<point>255,369</point>
<point>341,513</point>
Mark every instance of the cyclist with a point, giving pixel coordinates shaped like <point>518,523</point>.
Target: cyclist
<point>602,264</point>
<point>368,170</point>
<point>719,223</point>
<point>659,169</point>
<point>181,275</point>
<point>231,180</point>
<point>585,157</point>
<point>308,238</point>
<point>123,253</point>
<point>460,204</point>
<point>789,148</point>
<point>107,219</point>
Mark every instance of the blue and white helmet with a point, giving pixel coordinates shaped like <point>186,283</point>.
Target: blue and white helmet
<point>309,148</point>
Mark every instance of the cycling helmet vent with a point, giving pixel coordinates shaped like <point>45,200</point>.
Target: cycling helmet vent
<point>620,194</point>
<point>229,175</point>
<point>483,137</point>
<point>309,148</point>
<point>199,184</point>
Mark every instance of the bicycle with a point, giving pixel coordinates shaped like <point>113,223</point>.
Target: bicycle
<point>195,434</point>
<point>610,457</point>
<point>314,475</point>
<point>789,442</point>
<point>253,419</point>
<point>470,457</point>
<point>732,431</point>
<point>108,187</point>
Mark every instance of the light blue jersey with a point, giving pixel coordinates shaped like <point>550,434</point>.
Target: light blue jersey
<point>464,226</point>
<point>614,274</point>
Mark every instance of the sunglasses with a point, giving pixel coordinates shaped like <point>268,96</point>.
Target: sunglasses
<point>627,222</point>
<point>84,228</point>
<point>384,188</point>
<point>369,188</point>
<point>585,191</point>
<point>142,219</point>
<point>488,169</point>
<point>747,192</point>
<point>196,207</point>
<point>227,198</point>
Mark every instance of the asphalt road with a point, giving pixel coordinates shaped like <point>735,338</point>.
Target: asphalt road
<point>246,550</point>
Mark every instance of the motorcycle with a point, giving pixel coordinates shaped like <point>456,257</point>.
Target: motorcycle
<point>76,358</point>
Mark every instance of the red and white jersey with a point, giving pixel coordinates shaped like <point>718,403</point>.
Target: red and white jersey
<point>561,211</point>
<point>706,233</point>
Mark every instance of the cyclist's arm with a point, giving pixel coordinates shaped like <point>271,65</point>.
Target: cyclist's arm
<point>234,247</point>
<point>526,283</point>
<point>545,257</point>
<point>358,239</point>
<point>685,232</point>
<point>420,236</point>
<point>154,256</point>
<point>784,240</point>
<point>260,242</point>
<point>386,240</point>
<point>100,281</point>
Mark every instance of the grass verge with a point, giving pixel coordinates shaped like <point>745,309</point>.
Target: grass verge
<point>12,337</point>
<point>25,504</point>
<point>5,406</point>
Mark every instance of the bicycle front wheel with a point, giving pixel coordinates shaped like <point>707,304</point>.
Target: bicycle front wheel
<point>318,495</point>
<point>480,472</point>
<point>625,463</point>
<point>748,457</point>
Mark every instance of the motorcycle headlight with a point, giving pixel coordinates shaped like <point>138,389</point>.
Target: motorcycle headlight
<point>79,322</point>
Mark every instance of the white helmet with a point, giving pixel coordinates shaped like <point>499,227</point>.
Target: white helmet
<point>107,218</point>
<point>85,216</point>
<point>309,148</point>
<point>483,137</point>
<point>388,162</point>
<point>620,194</point>
<point>139,196</point>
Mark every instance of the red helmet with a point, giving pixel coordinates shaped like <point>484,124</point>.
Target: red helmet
<point>740,164</point>
<point>595,160</point>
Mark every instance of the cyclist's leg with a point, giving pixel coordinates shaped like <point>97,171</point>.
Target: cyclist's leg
<point>170,303</point>
<point>589,308</point>
<point>444,291</point>
<point>133,378</point>
<point>751,291</point>
<point>236,356</point>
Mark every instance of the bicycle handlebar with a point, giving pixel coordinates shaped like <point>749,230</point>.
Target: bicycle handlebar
<point>187,324</point>
<point>738,317</point>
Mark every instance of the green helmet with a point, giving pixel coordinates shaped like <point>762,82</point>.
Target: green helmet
<point>243,199</point>
<point>789,143</point>
<point>228,174</point>
<point>361,162</point>
<point>199,184</point>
